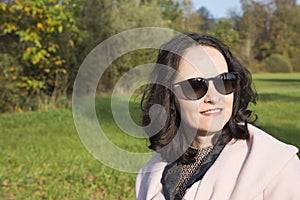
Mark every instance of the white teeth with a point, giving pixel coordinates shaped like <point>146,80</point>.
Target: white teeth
<point>212,111</point>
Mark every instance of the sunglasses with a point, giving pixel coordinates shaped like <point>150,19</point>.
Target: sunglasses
<point>196,88</point>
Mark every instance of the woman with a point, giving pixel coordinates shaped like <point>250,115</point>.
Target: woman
<point>207,147</point>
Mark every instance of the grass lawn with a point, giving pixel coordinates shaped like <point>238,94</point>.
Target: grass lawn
<point>278,107</point>
<point>42,156</point>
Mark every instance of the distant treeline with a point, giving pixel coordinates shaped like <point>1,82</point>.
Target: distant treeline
<point>43,42</point>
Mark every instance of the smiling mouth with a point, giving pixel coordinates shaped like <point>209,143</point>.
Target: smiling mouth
<point>212,111</point>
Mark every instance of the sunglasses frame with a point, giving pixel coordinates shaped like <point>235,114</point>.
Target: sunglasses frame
<point>206,81</point>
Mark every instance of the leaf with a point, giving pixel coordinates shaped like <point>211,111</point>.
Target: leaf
<point>3,6</point>
<point>63,71</point>
<point>58,62</point>
<point>10,28</point>
<point>71,43</point>
<point>26,9</point>
<point>57,6</point>
<point>40,26</point>
<point>60,29</point>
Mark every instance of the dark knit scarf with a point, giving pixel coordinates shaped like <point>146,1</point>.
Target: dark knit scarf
<point>172,173</point>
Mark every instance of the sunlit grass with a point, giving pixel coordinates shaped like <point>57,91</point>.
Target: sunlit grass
<point>278,106</point>
<point>42,157</point>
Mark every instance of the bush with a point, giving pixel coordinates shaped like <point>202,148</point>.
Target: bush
<point>276,63</point>
<point>296,63</point>
<point>9,92</point>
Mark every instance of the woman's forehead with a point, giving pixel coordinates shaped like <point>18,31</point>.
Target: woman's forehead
<point>202,61</point>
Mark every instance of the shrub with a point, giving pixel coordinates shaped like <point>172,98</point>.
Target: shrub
<point>9,92</point>
<point>276,63</point>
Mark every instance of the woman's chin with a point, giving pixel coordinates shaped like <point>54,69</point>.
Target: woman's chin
<point>204,130</point>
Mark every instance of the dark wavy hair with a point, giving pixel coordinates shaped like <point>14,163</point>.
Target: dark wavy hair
<point>170,55</point>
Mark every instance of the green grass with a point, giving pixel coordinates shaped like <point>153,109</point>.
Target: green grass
<point>278,107</point>
<point>42,156</point>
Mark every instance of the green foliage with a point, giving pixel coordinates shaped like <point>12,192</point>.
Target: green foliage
<point>124,15</point>
<point>104,18</point>
<point>276,63</point>
<point>172,14</point>
<point>38,32</point>
<point>193,22</point>
<point>267,28</point>
<point>9,91</point>
<point>130,14</point>
<point>224,30</point>
<point>208,20</point>
<point>123,64</point>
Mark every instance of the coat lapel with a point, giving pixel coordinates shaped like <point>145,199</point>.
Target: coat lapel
<point>220,180</point>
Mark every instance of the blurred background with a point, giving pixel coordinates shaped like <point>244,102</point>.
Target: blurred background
<point>44,42</point>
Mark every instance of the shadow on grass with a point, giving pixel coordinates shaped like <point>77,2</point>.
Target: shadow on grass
<point>104,109</point>
<point>277,80</point>
<point>277,97</point>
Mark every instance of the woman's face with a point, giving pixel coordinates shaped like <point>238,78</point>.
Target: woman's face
<point>212,111</point>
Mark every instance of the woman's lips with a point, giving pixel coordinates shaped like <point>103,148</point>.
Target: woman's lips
<point>211,112</point>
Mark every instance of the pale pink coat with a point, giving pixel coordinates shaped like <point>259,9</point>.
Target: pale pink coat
<point>259,168</point>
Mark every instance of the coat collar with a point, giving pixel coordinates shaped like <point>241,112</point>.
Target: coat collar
<point>243,169</point>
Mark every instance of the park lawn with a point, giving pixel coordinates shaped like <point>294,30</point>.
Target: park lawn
<point>278,107</point>
<point>42,156</point>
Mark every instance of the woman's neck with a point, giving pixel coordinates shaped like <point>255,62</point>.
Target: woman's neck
<point>205,139</point>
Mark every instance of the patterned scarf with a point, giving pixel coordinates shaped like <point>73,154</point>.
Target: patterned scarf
<point>178,177</point>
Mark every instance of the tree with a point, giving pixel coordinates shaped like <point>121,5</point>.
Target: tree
<point>284,30</point>
<point>192,21</point>
<point>246,28</point>
<point>253,27</point>
<point>208,20</point>
<point>270,29</point>
<point>127,15</point>
<point>104,18</point>
<point>40,36</point>
<point>172,14</point>
<point>225,31</point>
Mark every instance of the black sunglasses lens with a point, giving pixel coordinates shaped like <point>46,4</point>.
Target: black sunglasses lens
<point>194,88</point>
<point>226,83</point>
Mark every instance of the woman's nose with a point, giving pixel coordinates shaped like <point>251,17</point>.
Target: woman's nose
<point>212,95</point>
